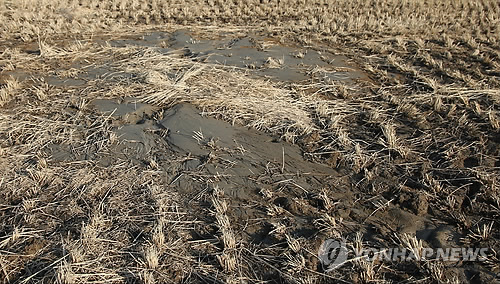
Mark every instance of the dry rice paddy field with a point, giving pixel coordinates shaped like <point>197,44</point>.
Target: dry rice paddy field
<point>224,141</point>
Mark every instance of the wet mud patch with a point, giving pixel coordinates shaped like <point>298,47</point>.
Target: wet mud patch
<point>266,58</point>
<point>214,146</point>
<point>273,197</point>
<point>255,172</point>
<point>259,55</point>
<point>189,132</point>
<point>71,76</point>
<point>146,40</point>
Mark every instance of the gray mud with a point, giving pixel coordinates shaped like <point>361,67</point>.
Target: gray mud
<point>86,74</point>
<point>247,151</point>
<point>198,152</point>
<point>146,40</point>
<point>241,151</point>
<point>132,123</point>
<point>260,55</point>
<point>266,58</point>
<point>244,163</point>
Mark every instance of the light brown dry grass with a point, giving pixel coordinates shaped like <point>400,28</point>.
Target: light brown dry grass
<point>433,88</point>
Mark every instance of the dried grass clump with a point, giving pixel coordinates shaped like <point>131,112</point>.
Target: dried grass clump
<point>12,86</point>
<point>222,92</point>
<point>228,259</point>
<point>46,144</point>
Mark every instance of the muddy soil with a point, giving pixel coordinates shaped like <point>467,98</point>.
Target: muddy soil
<point>269,58</point>
<point>272,192</point>
<point>282,200</point>
<point>260,55</point>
